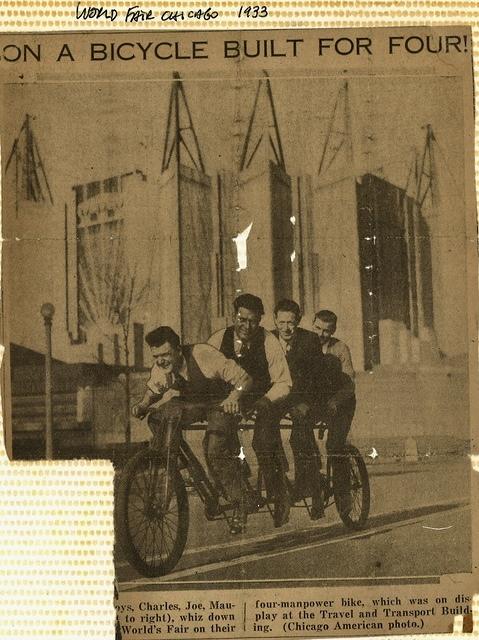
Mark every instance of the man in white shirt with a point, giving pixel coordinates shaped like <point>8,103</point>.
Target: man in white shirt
<point>260,354</point>
<point>196,382</point>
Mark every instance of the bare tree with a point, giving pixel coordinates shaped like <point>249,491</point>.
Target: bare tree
<point>112,287</point>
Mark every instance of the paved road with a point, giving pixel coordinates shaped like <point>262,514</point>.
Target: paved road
<point>420,520</point>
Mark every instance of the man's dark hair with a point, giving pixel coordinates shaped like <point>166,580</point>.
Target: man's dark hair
<point>250,302</point>
<point>160,335</point>
<point>288,305</point>
<point>326,316</point>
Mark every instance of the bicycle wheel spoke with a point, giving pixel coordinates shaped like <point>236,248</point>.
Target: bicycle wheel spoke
<point>151,514</point>
<point>162,542</point>
<point>139,494</point>
<point>132,508</point>
<point>153,546</point>
<point>138,528</point>
<point>153,543</point>
<point>154,536</point>
<point>134,511</point>
<point>171,535</point>
<point>144,539</point>
<point>142,491</point>
<point>351,488</point>
<point>153,553</point>
<point>141,527</point>
<point>171,521</point>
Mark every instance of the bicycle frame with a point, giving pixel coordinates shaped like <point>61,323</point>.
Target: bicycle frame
<point>205,488</point>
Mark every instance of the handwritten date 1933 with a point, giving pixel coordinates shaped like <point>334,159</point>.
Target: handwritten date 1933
<point>253,11</point>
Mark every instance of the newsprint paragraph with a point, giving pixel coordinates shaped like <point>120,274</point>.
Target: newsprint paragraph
<point>242,266</point>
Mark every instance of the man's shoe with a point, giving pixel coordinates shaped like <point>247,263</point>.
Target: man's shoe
<point>282,508</point>
<point>254,502</point>
<point>238,521</point>
<point>317,506</point>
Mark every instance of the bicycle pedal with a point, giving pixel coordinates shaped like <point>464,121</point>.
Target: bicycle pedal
<point>255,503</point>
<point>237,527</point>
<point>237,524</point>
<point>317,515</point>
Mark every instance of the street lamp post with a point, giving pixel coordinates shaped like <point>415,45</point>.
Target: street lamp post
<point>48,310</point>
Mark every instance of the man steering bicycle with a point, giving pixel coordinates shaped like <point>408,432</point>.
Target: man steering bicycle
<point>195,382</point>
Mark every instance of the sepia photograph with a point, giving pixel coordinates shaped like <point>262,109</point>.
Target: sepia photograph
<point>251,285</point>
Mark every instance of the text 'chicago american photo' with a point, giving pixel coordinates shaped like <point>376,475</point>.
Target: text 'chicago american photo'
<point>242,267</point>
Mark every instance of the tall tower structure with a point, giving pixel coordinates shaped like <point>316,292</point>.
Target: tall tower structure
<point>30,179</point>
<point>433,185</point>
<point>184,225</point>
<point>257,231</point>
<point>334,249</point>
<point>34,234</point>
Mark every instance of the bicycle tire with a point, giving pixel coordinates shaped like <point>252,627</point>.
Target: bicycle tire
<point>151,510</point>
<point>356,516</point>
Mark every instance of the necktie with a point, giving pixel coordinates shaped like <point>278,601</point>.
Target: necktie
<point>244,350</point>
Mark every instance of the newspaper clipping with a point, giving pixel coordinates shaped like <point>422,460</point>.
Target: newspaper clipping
<point>242,266</point>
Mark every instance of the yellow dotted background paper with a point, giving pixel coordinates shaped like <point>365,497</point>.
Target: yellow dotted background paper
<point>56,570</point>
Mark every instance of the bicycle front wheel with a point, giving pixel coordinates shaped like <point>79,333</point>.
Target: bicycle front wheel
<point>151,514</point>
<point>351,489</point>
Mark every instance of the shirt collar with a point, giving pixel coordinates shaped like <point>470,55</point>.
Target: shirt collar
<point>326,347</point>
<point>286,345</point>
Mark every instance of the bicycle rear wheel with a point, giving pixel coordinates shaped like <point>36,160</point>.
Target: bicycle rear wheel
<point>353,499</point>
<point>151,514</point>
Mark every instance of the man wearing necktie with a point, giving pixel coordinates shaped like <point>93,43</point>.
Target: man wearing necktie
<point>193,383</point>
<point>303,353</point>
<point>259,353</point>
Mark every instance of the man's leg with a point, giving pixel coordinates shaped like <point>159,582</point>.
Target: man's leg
<point>268,448</point>
<point>307,458</point>
<point>166,423</point>
<point>221,448</point>
<point>338,431</point>
<point>305,450</point>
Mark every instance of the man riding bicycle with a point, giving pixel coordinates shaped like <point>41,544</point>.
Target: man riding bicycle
<point>304,356</point>
<point>195,382</point>
<point>260,355</point>
<point>340,399</point>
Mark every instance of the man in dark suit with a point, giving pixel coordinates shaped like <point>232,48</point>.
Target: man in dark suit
<point>304,356</point>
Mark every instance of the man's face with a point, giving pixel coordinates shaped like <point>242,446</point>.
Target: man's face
<point>324,330</point>
<point>246,323</point>
<point>167,357</point>
<point>286,323</point>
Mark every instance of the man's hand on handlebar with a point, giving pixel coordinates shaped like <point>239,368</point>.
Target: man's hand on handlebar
<point>139,410</point>
<point>264,404</point>
<point>231,403</point>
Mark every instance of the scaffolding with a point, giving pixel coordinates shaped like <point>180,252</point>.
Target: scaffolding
<point>255,207</point>
<point>31,182</point>
<point>185,230</point>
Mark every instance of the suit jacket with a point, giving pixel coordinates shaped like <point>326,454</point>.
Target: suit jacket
<point>305,362</point>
